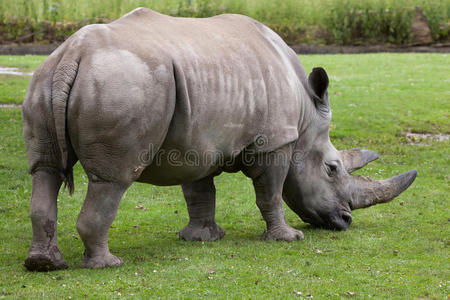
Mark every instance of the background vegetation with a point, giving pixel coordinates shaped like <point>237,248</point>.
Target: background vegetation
<point>398,250</point>
<point>297,21</point>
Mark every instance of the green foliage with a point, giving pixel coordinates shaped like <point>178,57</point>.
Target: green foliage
<point>397,250</point>
<point>352,22</point>
<point>297,21</point>
<point>438,19</point>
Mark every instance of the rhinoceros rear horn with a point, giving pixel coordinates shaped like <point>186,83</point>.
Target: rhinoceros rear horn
<point>368,192</point>
<point>355,159</point>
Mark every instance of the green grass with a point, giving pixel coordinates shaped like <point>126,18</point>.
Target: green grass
<point>398,250</point>
<point>14,87</point>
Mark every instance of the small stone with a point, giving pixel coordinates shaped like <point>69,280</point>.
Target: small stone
<point>140,207</point>
<point>420,29</point>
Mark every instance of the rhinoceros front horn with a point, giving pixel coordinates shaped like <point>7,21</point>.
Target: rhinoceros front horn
<point>355,159</point>
<point>368,192</point>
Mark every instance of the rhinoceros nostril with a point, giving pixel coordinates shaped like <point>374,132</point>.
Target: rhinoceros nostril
<point>347,218</point>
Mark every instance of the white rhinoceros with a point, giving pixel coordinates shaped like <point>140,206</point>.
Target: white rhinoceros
<point>177,101</point>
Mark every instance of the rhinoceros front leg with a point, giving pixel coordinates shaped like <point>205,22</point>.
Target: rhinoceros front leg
<point>44,254</point>
<point>95,219</point>
<point>201,204</point>
<point>268,189</point>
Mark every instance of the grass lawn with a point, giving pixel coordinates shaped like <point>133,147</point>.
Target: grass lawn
<point>397,250</point>
<point>13,87</point>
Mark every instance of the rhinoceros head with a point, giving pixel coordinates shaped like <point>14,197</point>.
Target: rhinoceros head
<point>319,186</point>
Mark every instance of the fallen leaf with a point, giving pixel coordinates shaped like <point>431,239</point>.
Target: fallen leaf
<point>337,94</point>
<point>210,271</point>
<point>351,293</point>
<point>319,251</point>
<point>140,207</point>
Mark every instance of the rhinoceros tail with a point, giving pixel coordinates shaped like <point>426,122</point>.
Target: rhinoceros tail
<point>63,79</point>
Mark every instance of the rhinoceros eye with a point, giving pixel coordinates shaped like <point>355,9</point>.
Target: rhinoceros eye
<point>331,169</point>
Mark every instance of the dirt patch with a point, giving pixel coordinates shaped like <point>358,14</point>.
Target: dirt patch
<point>332,49</point>
<point>46,49</point>
<point>10,105</point>
<point>26,49</point>
<point>13,71</point>
<point>420,139</point>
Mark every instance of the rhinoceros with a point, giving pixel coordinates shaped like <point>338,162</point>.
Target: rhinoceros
<point>146,97</point>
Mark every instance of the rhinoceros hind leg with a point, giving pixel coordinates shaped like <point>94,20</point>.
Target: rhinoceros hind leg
<point>268,189</point>
<point>201,203</point>
<point>44,254</point>
<point>95,219</point>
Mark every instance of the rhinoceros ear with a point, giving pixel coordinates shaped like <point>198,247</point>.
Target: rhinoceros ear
<point>355,159</point>
<point>318,83</point>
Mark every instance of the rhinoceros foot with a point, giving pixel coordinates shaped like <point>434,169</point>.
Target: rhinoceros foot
<point>283,233</point>
<point>104,261</point>
<point>45,261</point>
<point>210,232</point>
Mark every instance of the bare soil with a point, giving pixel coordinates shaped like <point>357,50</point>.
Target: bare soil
<point>46,49</point>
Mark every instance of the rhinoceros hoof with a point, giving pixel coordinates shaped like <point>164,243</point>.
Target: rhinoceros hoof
<point>283,233</point>
<point>45,261</point>
<point>104,261</point>
<point>211,232</point>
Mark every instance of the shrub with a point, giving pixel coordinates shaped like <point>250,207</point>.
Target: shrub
<point>297,21</point>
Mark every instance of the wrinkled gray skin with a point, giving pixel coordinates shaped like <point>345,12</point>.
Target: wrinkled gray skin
<point>227,85</point>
